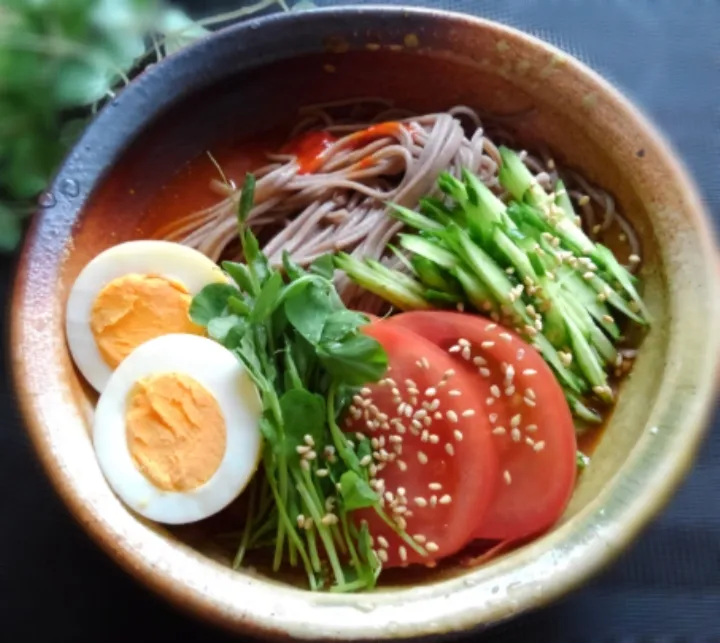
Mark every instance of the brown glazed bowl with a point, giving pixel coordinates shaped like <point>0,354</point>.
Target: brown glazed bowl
<point>253,77</point>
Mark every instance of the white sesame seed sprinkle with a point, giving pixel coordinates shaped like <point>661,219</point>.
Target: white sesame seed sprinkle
<point>437,415</point>
<point>479,361</point>
<point>529,402</point>
<point>449,449</point>
<point>529,371</point>
<point>451,416</point>
<point>425,363</point>
<point>510,391</point>
<point>401,465</point>
<point>491,327</point>
<point>382,555</point>
<point>515,435</point>
<point>433,501</point>
<point>484,372</point>
<point>402,552</point>
<point>445,500</point>
<point>493,418</point>
<point>489,401</point>
<point>520,354</point>
<point>506,337</point>
<point>539,446</point>
<point>422,458</point>
<point>383,542</point>
<point>454,393</point>
<point>507,477</point>
<point>487,344</point>
<point>463,342</point>
<point>530,393</point>
<point>430,392</point>
<point>468,413</point>
<point>458,435</point>
<point>531,427</point>
<point>432,547</point>
<point>365,461</point>
<point>495,390</point>
<point>420,501</point>
<point>454,349</point>
<point>499,430</point>
<point>448,374</point>
<point>434,405</point>
<point>466,354</point>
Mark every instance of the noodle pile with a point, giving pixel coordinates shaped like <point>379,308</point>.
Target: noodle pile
<point>342,203</point>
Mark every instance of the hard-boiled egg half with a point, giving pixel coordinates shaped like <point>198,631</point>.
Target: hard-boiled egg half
<point>176,428</point>
<point>129,294</point>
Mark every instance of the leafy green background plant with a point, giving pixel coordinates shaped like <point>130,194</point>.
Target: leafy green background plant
<point>60,60</point>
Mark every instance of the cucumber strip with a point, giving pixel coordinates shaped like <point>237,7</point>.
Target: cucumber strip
<point>431,251</point>
<point>605,258</point>
<point>578,288</point>
<point>478,295</point>
<point>399,277</point>
<point>516,257</point>
<point>587,360</point>
<point>613,298</point>
<point>404,260</point>
<point>594,335</point>
<point>433,277</point>
<point>580,410</point>
<point>386,288</point>
<point>413,219</point>
<point>565,375</point>
<point>518,180</point>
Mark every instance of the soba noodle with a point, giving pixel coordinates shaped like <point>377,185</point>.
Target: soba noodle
<point>342,203</point>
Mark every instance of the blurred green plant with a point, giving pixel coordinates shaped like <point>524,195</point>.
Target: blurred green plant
<point>59,61</point>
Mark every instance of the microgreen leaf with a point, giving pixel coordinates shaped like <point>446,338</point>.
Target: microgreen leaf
<point>304,415</point>
<point>355,361</point>
<point>341,323</point>
<point>355,492</point>
<point>292,269</point>
<point>240,275</point>
<point>268,299</point>
<point>219,327</point>
<point>323,266</point>
<point>210,302</point>
<point>308,308</point>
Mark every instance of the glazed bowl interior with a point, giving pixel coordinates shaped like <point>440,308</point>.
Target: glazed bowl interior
<point>244,87</point>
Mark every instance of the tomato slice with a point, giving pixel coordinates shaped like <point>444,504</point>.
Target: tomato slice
<point>435,471</point>
<point>529,419</point>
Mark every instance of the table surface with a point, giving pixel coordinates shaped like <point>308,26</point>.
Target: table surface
<point>56,586</point>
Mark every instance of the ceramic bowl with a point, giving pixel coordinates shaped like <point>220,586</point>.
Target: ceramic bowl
<point>253,77</point>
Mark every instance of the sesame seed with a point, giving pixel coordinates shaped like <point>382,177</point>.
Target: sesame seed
<point>322,473</point>
<point>463,342</point>
<point>539,446</point>
<point>485,372</point>
<point>425,435</point>
<point>413,392</point>
<point>433,501</point>
<point>410,383</point>
<point>530,393</point>
<point>401,465</point>
<point>529,402</point>
<point>422,458</point>
<point>495,390</point>
<point>454,349</point>
<point>520,354</point>
<point>449,449</point>
<point>479,361</point>
<point>434,405</point>
<point>489,401</point>
<point>588,275</point>
<point>491,327</point>
<point>451,416</point>
<point>608,319</point>
<point>634,259</point>
<point>434,439</point>
<point>507,337</point>
<point>531,427</point>
<point>430,392</point>
<point>365,461</point>
<point>383,542</point>
<point>529,371</point>
<point>454,393</point>
<point>427,421</point>
<point>584,200</point>
<point>420,501</point>
<point>401,408</point>
<point>507,477</point>
<point>509,374</point>
<point>402,552</point>
<point>466,354</point>
<point>487,344</point>
<point>420,414</point>
<point>400,522</point>
<point>417,424</point>
<point>493,417</point>
<point>432,547</point>
<point>468,413</point>
<point>448,374</point>
<point>437,415</point>
<point>515,435</point>
<point>419,538</point>
<point>408,411</point>
<point>329,519</point>
<point>529,441</point>
<point>510,391</point>
<point>458,435</point>
<point>499,430</point>
<point>302,449</point>
<point>382,555</point>
<point>300,521</point>
<point>308,523</point>
<point>445,500</point>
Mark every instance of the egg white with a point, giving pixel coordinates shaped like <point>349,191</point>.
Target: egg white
<point>224,377</point>
<point>165,258</point>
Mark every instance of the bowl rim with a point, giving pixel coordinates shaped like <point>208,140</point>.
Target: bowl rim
<point>432,611</point>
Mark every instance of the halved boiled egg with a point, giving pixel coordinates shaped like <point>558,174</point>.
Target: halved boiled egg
<point>129,294</point>
<point>176,429</point>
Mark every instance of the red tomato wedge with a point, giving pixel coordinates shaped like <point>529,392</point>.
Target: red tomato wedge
<point>529,419</point>
<point>434,469</point>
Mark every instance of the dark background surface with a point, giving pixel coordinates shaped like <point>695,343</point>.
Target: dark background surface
<point>56,586</point>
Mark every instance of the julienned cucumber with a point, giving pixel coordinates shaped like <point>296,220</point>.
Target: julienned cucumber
<point>527,263</point>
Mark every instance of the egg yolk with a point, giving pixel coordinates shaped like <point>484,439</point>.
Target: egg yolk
<point>175,431</point>
<point>133,309</point>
